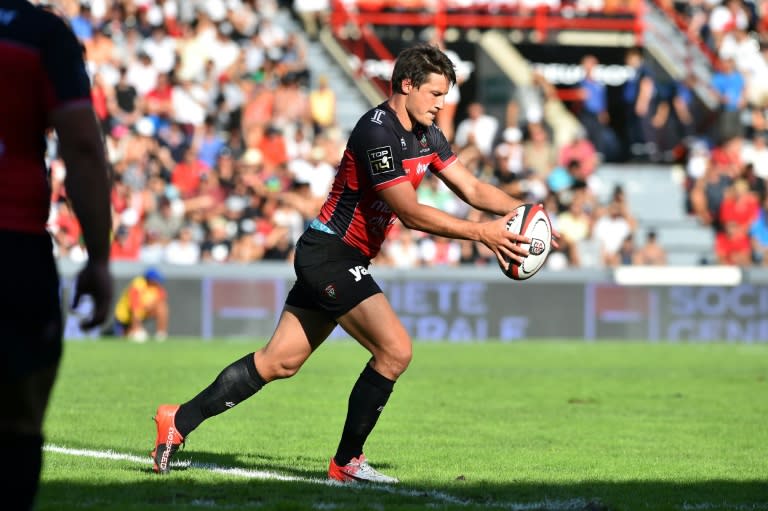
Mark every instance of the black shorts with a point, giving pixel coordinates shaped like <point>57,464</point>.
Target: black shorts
<point>331,276</point>
<point>30,308</point>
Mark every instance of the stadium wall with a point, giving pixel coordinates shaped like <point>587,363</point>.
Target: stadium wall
<point>670,304</point>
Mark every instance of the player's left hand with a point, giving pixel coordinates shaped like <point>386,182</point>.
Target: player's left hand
<point>555,234</point>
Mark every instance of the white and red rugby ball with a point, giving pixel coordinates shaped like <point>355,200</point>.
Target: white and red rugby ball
<point>532,221</point>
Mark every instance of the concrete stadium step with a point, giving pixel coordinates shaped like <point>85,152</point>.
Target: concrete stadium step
<point>683,236</point>
<point>689,258</point>
<point>350,103</point>
<point>656,198</point>
<point>654,192</point>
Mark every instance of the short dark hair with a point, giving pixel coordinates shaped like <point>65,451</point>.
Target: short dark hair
<point>417,63</point>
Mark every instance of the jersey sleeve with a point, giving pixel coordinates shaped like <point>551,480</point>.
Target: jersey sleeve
<point>64,65</point>
<point>444,155</point>
<point>376,147</point>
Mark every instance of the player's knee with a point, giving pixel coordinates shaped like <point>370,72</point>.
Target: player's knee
<point>287,369</point>
<point>398,360</point>
<point>279,369</point>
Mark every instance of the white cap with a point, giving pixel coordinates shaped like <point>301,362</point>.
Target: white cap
<point>512,134</point>
<point>145,127</point>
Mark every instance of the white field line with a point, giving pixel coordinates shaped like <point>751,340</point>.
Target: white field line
<point>437,497</point>
<point>735,507</point>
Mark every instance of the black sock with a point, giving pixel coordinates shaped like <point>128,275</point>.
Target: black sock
<point>236,383</point>
<point>19,486</point>
<point>366,401</point>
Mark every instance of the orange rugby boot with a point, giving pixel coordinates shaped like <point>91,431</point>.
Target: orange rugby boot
<point>168,438</point>
<point>357,470</point>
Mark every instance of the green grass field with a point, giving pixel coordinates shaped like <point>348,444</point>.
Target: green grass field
<point>525,426</point>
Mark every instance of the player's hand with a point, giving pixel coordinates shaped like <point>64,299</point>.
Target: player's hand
<point>555,234</point>
<point>504,244</point>
<point>95,281</point>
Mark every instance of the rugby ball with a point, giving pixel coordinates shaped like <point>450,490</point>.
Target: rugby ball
<point>532,221</point>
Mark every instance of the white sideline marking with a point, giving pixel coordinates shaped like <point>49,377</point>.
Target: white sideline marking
<point>737,507</point>
<point>437,496</point>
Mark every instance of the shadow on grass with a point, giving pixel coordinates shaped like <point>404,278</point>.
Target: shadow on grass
<point>245,487</point>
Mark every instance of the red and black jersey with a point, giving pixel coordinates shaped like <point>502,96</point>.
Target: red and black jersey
<point>380,153</point>
<point>41,70</point>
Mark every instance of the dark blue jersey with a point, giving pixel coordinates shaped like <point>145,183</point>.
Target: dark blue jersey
<point>380,153</point>
<point>41,70</point>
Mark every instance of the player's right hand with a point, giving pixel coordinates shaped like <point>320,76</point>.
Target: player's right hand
<point>94,280</point>
<point>504,244</point>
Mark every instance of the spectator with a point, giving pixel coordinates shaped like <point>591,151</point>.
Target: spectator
<point>143,299</point>
<point>730,15</point>
<point>651,252</point>
<point>142,75</point>
<point>186,175</point>
<point>756,154</point>
<point>478,129</point>
<point>440,251</point>
<point>182,250</point>
<point>579,149</point>
<point>593,112</point>
<point>574,226</point>
<point>128,240</point>
<point>312,14</point>
<point>161,49</point>
<point>446,117</point>
<point>82,23</point>
<point>627,250</point>
<point>127,105</point>
<point>638,97</point>
<point>164,221</point>
<point>729,84</point>
<point>291,106</point>
<point>540,153</point>
<point>218,245</point>
<point>509,156</point>
<point>610,230</point>
<point>733,245</point>
<point>210,143</point>
<point>322,106</point>
<point>708,191</point>
<point>739,206</point>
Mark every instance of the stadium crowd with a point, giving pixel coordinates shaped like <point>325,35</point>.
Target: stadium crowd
<point>726,171</point>
<point>223,147</point>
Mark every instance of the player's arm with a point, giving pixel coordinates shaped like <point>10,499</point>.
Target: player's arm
<point>82,148</point>
<point>402,199</point>
<point>478,194</point>
<point>644,96</point>
<point>87,178</point>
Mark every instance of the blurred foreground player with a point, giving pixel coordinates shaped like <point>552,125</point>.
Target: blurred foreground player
<point>387,156</point>
<point>43,84</point>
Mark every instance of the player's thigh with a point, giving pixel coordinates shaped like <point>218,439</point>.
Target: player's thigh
<point>375,325</point>
<point>299,332</point>
<point>24,401</point>
<point>31,329</point>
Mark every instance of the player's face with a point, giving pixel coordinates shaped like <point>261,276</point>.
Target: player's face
<point>424,103</point>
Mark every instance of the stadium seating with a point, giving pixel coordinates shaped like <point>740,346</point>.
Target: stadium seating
<point>657,200</point>
<point>351,51</point>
